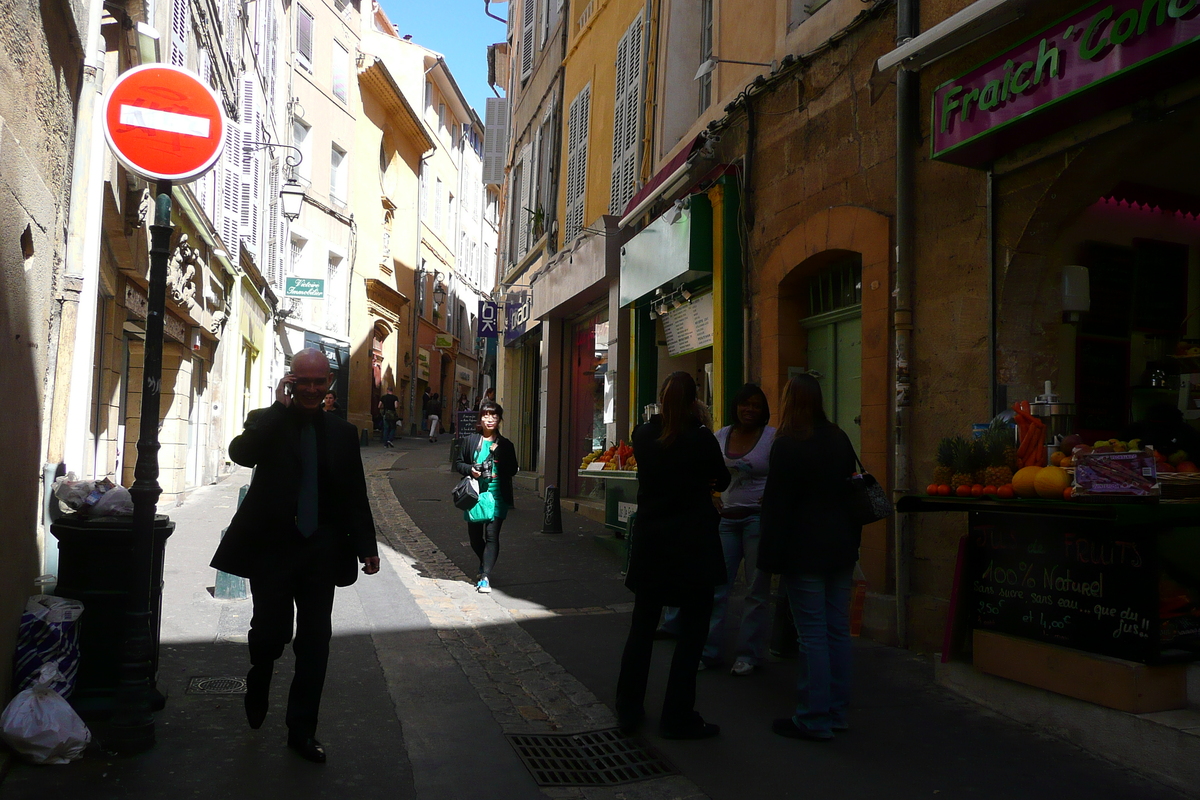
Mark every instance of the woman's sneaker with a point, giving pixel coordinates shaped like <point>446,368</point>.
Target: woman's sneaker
<point>483,587</point>
<point>741,667</point>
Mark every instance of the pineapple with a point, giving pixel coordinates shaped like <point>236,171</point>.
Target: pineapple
<point>979,461</point>
<point>1002,430</point>
<point>944,469</point>
<point>997,445</point>
<point>962,462</point>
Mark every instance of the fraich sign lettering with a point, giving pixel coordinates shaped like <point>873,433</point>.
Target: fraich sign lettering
<point>1053,79</point>
<point>304,287</point>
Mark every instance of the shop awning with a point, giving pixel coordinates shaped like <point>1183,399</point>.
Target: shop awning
<point>666,180</point>
<point>956,31</point>
<point>675,247</point>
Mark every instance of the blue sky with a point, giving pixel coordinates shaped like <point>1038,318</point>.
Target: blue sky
<point>459,30</point>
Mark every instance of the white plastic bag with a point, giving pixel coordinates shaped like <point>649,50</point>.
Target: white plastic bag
<point>41,726</point>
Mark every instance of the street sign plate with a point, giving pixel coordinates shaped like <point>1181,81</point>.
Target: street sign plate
<point>304,287</point>
<point>163,123</point>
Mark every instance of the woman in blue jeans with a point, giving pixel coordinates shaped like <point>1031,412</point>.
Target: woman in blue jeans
<point>810,540</point>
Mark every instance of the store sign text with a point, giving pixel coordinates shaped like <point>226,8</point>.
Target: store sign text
<point>1101,42</point>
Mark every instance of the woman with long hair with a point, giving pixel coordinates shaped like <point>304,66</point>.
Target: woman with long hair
<point>491,459</point>
<point>675,557</point>
<point>809,539</point>
<point>746,446</point>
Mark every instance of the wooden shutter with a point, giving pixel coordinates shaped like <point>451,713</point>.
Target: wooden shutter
<point>274,223</point>
<point>304,37</point>
<point>251,177</point>
<point>528,15</point>
<point>181,28</point>
<point>230,190</point>
<point>577,125</point>
<point>525,217</point>
<point>495,140</point>
<point>626,118</point>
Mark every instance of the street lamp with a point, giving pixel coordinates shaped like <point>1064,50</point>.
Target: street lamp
<point>711,63</point>
<point>291,195</point>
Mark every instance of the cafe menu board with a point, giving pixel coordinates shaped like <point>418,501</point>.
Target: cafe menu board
<point>1074,583</point>
<point>690,327</point>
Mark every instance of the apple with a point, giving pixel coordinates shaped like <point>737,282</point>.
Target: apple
<point>1069,443</point>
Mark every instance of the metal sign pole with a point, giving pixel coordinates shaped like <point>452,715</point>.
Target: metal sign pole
<point>133,722</point>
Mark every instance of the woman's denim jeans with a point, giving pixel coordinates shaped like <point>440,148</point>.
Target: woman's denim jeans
<point>821,607</point>
<point>739,540</point>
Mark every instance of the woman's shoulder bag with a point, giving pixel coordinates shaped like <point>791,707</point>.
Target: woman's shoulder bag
<point>868,500</point>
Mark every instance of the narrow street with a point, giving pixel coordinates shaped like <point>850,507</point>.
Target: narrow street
<point>426,677</point>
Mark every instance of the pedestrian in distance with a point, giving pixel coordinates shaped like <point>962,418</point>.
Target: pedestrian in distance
<point>746,447</point>
<point>433,410</point>
<point>300,532</point>
<point>389,405</point>
<point>425,397</point>
<point>810,540</point>
<point>675,557</point>
<point>330,402</point>
<point>492,460</point>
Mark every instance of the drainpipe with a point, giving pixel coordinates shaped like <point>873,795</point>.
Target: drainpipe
<point>416,303</point>
<point>907,107</point>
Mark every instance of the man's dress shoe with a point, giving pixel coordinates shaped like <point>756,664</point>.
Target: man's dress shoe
<point>308,748</point>
<point>258,693</point>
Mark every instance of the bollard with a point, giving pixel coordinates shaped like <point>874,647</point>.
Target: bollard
<point>552,519</point>
<point>365,439</point>
<point>231,587</point>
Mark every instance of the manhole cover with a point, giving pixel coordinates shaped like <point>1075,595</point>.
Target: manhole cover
<point>216,685</point>
<point>597,758</point>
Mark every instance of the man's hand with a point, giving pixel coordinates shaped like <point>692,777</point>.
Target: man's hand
<point>283,392</point>
<point>370,565</point>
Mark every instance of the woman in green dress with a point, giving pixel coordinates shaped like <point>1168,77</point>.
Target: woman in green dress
<point>491,459</point>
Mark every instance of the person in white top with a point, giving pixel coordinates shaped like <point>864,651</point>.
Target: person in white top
<point>746,446</point>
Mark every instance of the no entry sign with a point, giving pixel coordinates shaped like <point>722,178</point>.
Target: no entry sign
<point>163,123</point>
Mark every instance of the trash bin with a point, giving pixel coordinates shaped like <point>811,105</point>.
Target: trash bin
<point>94,559</point>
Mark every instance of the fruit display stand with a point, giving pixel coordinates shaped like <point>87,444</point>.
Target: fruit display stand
<point>620,495</point>
<point>1089,582</point>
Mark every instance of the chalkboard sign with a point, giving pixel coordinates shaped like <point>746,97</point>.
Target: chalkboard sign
<point>466,423</point>
<point>1078,583</point>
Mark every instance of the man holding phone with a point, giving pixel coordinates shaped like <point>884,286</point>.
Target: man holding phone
<point>300,532</point>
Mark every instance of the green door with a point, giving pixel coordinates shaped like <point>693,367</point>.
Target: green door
<point>835,360</point>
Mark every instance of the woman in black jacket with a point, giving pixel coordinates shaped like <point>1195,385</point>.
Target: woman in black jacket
<point>492,459</point>
<point>675,557</point>
<point>810,540</point>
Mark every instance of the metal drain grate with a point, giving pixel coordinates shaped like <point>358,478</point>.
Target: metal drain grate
<point>216,685</point>
<point>596,758</point>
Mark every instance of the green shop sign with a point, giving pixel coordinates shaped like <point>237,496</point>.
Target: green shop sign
<point>1107,54</point>
<point>304,287</point>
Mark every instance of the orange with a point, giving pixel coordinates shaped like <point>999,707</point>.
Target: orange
<point>1006,492</point>
<point>944,489</point>
<point>931,489</point>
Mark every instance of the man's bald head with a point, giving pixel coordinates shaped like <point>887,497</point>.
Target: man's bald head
<point>313,376</point>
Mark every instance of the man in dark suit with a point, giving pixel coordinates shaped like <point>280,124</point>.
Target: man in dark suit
<point>302,529</point>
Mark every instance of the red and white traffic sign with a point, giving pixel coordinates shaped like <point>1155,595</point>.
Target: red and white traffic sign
<point>163,123</point>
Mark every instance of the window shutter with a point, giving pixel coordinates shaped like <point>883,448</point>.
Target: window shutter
<point>528,15</point>
<point>525,218</point>
<point>181,28</point>
<point>274,226</point>
<point>577,163</point>
<point>626,118</point>
<point>230,190</point>
<point>304,37</point>
<point>495,140</point>
<point>341,72</point>
<point>251,180</point>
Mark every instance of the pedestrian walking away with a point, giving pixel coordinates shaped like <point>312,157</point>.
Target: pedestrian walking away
<point>492,460</point>
<point>388,409</point>
<point>809,538</point>
<point>675,557</point>
<point>433,410</point>
<point>303,527</point>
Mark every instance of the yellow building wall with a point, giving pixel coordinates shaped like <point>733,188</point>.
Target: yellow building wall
<point>591,58</point>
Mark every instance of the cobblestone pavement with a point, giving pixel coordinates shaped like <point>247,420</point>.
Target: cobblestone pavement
<point>526,690</point>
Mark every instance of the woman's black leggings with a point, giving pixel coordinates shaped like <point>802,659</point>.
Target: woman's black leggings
<point>485,541</point>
